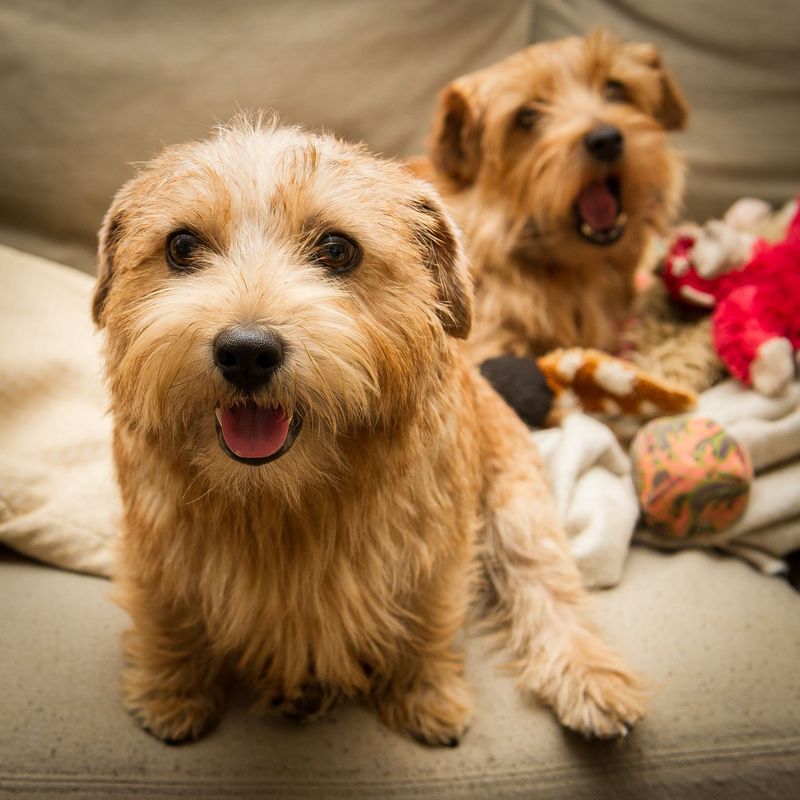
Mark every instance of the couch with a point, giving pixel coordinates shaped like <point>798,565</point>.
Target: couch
<point>90,87</point>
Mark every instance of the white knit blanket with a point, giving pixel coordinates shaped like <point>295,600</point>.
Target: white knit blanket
<point>58,497</point>
<point>594,491</point>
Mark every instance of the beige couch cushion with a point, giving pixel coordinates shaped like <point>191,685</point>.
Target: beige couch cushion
<point>718,641</point>
<point>88,88</point>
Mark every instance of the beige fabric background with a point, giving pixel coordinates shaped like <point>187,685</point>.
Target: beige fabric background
<point>89,86</point>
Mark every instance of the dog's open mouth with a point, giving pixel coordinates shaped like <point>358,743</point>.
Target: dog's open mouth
<point>598,211</point>
<point>254,434</point>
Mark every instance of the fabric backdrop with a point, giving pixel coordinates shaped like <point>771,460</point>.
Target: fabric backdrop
<point>90,86</point>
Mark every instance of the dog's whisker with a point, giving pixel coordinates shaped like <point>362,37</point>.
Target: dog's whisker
<point>189,486</point>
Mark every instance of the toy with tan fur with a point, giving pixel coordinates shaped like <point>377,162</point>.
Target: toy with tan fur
<point>602,384</point>
<point>570,379</point>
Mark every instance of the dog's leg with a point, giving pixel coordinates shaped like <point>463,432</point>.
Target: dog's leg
<point>536,598</point>
<point>427,695</point>
<point>171,682</point>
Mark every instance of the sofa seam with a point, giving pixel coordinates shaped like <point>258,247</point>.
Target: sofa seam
<point>436,784</point>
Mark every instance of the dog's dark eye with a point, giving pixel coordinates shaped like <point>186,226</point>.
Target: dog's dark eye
<point>615,92</point>
<point>526,118</point>
<point>181,250</point>
<point>336,253</point>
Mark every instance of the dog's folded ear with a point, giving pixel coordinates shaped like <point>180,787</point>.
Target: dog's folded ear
<point>109,238</point>
<point>455,140</point>
<point>447,262</point>
<point>673,110</point>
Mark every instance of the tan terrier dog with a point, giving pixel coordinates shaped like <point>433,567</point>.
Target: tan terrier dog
<point>556,163</point>
<point>310,470</point>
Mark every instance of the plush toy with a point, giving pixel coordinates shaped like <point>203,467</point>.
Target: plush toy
<point>542,391</point>
<point>754,290</point>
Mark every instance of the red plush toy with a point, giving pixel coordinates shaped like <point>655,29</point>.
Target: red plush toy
<point>754,288</point>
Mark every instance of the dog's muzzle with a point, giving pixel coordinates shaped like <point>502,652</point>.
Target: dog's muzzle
<point>247,358</point>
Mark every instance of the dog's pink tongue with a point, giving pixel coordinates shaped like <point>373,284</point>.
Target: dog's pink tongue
<point>598,206</point>
<point>251,431</point>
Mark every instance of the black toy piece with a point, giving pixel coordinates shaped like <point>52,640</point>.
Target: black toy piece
<point>520,382</point>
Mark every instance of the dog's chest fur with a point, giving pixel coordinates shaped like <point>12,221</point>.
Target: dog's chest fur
<point>530,311</point>
<point>329,591</point>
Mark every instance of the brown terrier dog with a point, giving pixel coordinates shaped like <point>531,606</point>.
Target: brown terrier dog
<point>310,470</point>
<point>556,163</point>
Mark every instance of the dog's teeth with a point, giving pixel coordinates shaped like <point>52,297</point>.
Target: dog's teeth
<point>586,229</point>
<point>622,219</point>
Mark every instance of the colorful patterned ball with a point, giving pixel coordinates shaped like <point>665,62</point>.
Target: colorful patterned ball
<point>691,476</point>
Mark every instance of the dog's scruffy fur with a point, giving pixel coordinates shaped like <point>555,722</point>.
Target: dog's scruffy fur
<point>515,149</point>
<point>345,566</point>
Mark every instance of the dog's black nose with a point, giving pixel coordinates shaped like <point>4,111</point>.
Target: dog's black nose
<point>247,357</point>
<point>604,143</point>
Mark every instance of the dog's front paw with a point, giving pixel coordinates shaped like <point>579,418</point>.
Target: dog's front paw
<point>173,717</point>
<point>432,713</point>
<point>600,699</point>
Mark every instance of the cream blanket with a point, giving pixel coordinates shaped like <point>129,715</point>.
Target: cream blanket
<point>58,497</point>
<point>595,495</point>
<point>769,428</point>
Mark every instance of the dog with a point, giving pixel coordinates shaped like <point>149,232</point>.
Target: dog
<point>556,164</point>
<point>316,483</point>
